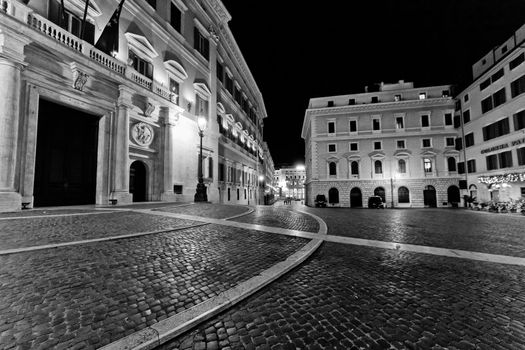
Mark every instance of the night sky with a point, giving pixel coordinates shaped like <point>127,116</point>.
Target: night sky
<point>297,50</point>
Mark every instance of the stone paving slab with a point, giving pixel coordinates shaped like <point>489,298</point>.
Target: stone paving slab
<point>446,228</point>
<point>280,216</point>
<point>89,295</point>
<point>27,232</point>
<point>348,297</point>
<point>214,211</point>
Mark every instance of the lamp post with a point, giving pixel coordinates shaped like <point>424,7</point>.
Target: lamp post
<point>200,194</point>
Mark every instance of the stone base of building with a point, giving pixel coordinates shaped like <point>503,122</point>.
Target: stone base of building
<point>122,197</point>
<point>355,193</point>
<point>10,201</point>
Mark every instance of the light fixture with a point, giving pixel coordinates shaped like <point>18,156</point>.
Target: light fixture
<point>202,123</point>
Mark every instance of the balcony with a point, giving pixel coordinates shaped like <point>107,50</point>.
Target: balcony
<point>24,14</point>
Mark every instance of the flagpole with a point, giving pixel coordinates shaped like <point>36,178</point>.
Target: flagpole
<point>84,20</point>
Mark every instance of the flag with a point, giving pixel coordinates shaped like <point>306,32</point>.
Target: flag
<point>108,40</point>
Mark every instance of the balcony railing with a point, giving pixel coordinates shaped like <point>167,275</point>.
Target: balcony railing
<point>26,15</point>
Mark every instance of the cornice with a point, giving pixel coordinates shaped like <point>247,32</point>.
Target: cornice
<point>219,10</point>
<point>376,107</point>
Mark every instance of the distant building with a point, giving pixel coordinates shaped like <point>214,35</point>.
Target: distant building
<point>289,180</point>
<point>493,120</point>
<point>92,124</point>
<point>395,141</point>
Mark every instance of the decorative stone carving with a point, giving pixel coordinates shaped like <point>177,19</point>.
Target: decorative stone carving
<point>213,34</point>
<point>150,107</point>
<point>142,134</point>
<point>79,80</point>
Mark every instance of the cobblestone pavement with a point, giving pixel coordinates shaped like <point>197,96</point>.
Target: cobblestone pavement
<point>215,211</point>
<point>445,228</point>
<point>349,297</point>
<point>280,216</point>
<point>86,296</point>
<point>146,205</point>
<point>27,232</point>
<point>42,212</point>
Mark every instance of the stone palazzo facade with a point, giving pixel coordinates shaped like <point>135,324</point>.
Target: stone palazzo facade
<point>394,141</point>
<point>83,126</point>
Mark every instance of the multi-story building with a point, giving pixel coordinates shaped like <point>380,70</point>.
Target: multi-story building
<point>289,180</point>
<point>493,120</point>
<point>85,120</point>
<point>394,140</point>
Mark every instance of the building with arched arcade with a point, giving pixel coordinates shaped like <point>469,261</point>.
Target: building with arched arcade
<point>82,122</point>
<point>395,141</point>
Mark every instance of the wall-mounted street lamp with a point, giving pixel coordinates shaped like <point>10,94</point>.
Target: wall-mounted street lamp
<point>200,194</point>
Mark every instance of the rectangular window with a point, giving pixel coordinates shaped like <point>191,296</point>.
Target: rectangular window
<point>492,162</point>
<point>499,98</point>
<point>400,144</point>
<point>400,123</point>
<point>354,146</point>
<point>469,140</point>
<point>353,125</point>
<point>471,166</point>
<point>517,87</point>
<point>331,127</point>
<point>201,43</point>
<point>519,120</point>
<point>376,124</point>
<point>237,95</point>
<point>461,167</point>
<point>449,142</point>
<point>221,172</point>
<point>448,119</point>
<point>426,143</point>
<point>175,17</point>
<point>497,129</point>
<point>425,121</point>
<point>497,75</point>
<point>459,144</point>
<point>331,148</point>
<point>177,189</point>
<point>445,93</point>
<point>422,95</point>
<point>377,145</point>
<point>397,98</point>
<point>466,116</point>
<point>229,83</point>
<point>486,104</point>
<point>220,72</point>
<point>517,61</point>
<point>457,121</point>
<point>466,98</point>
<point>330,103</point>
<point>351,102</point>
<point>505,159</point>
<point>521,155</point>
<point>375,99</point>
<point>142,66</point>
<point>522,189</point>
<point>485,84</point>
<point>174,89</point>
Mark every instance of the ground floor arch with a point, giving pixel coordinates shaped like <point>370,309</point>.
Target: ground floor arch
<point>356,198</point>
<point>333,196</point>
<point>453,195</point>
<point>429,196</point>
<point>138,181</point>
<point>380,191</point>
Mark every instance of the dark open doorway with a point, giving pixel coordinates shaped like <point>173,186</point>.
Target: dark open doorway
<point>356,198</point>
<point>429,196</point>
<point>137,181</point>
<point>66,156</point>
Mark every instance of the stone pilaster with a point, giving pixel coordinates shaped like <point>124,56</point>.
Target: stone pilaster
<point>170,118</point>
<point>120,166</point>
<point>11,65</point>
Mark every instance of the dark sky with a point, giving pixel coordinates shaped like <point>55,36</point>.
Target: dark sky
<point>297,50</point>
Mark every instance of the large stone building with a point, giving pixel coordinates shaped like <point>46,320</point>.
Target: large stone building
<point>83,125</point>
<point>289,180</point>
<point>493,120</point>
<point>394,140</point>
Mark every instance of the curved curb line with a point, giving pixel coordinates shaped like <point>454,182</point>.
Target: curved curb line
<point>248,212</point>
<point>167,329</point>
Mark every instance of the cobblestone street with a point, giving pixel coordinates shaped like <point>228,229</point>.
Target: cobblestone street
<point>344,296</point>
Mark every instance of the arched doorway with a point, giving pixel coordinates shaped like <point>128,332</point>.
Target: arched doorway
<point>403,195</point>
<point>356,198</point>
<point>380,191</point>
<point>453,195</point>
<point>333,196</point>
<point>137,181</point>
<point>429,196</point>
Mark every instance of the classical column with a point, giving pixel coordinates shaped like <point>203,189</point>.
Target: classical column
<point>170,118</point>
<point>120,170</point>
<point>11,64</point>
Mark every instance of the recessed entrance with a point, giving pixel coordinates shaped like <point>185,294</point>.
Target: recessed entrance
<point>429,196</point>
<point>66,156</point>
<point>137,181</point>
<point>356,198</point>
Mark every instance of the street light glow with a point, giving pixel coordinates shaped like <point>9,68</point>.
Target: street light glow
<point>201,123</point>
